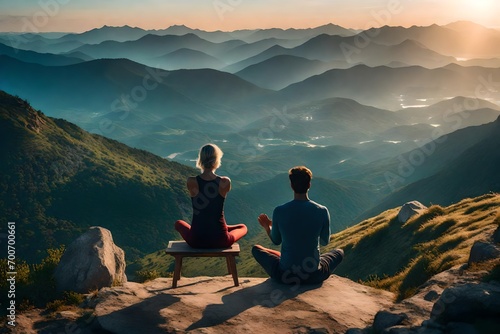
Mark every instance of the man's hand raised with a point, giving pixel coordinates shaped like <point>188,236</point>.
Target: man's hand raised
<point>265,222</point>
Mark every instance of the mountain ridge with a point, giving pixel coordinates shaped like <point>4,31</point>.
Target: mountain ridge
<point>47,59</point>
<point>451,80</point>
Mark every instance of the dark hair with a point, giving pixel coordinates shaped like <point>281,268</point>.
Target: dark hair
<point>300,178</point>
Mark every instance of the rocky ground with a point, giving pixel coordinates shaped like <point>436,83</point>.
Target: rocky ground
<point>339,305</point>
<point>214,305</point>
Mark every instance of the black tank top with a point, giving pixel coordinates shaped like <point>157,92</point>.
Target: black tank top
<point>208,211</point>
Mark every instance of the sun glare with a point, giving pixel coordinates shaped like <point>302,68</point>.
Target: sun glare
<point>480,9</point>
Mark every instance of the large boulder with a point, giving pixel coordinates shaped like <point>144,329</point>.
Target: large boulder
<point>386,319</point>
<point>92,261</point>
<point>410,209</point>
<point>468,302</point>
<point>483,251</point>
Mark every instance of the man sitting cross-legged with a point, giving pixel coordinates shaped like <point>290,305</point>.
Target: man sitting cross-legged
<point>300,226</point>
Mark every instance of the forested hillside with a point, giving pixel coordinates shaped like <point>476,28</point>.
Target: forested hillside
<point>56,180</point>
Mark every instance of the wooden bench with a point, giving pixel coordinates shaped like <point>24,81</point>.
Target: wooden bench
<point>180,249</point>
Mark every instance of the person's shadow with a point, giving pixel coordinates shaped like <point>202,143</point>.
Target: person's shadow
<point>267,294</point>
<point>143,317</point>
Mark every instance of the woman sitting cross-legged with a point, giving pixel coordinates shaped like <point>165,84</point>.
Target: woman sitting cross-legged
<point>208,191</point>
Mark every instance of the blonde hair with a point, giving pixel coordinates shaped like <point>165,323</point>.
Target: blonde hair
<point>209,157</point>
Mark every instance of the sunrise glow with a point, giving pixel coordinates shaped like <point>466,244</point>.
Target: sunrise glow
<point>78,15</point>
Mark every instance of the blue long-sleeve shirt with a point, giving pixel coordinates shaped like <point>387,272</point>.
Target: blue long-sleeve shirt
<point>300,226</point>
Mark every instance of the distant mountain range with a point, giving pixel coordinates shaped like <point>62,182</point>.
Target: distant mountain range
<point>460,39</point>
<point>350,104</point>
<point>432,46</point>
<point>153,109</point>
<point>127,100</point>
<point>392,88</point>
<point>127,33</point>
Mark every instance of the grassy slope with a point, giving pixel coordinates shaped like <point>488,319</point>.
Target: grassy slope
<point>400,257</point>
<point>380,250</point>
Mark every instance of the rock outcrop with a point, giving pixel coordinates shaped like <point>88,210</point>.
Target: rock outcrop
<point>454,301</point>
<point>91,262</point>
<point>410,209</point>
<point>468,302</point>
<point>449,302</point>
<point>258,305</point>
<point>483,251</point>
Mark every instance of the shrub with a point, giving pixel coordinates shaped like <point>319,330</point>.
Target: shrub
<point>22,273</point>
<point>69,298</point>
<point>35,283</point>
<point>146,275</point>
<point>73,298</point>
<point>55,305</point>
<point>372,280</point>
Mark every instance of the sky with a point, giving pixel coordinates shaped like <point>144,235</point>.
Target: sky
<point>227,15</point>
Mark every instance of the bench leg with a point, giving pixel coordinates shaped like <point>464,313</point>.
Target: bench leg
<point>228,262</point>
<point>231,267</point>
<point>177,270</point>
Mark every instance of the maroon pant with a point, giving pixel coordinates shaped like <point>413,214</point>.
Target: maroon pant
<point>233,234</point>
